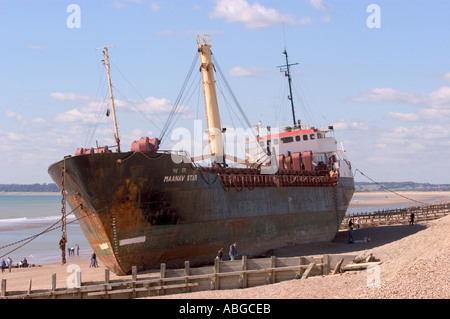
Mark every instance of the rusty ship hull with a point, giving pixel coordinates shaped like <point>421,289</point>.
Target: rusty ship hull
<point>142,209</point>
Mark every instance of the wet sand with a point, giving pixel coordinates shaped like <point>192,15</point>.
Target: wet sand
<point>407,198</point>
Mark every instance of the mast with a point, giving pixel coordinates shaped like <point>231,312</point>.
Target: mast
<point>116,130</point>
<point>211,106</point>
<point>287,73</point>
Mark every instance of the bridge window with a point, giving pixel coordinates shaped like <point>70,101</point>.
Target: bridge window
<point>289,139</point>
<point>312,136</point>
<point>297,138</point>
<point>305,137</point>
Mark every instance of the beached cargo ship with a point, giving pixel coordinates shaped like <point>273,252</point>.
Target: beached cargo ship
<point>147,206</point>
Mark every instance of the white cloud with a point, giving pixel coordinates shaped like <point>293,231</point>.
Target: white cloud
<point>154,7</point>
<point>434,106</point>
<point>351,125</point>
<point>36,47</point>
<point>73,116</point>
<point>433,138</point>
<point>239,71</point>
<point>119,5</point>
<point>404,117</point>
<point>13,115</point>
<point>253,16</point>
<point>446,77</point>
<point>320,5</point>
<point>381,95</point>
<point>156,106</point>
<point>70,97</point>
<point>439,98</point>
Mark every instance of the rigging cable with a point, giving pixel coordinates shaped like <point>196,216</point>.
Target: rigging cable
<point>390,189</point>
<point>228,87</point>
<point>177,101</point>
<point>29,239</point>
<point>185,101</point>
<point>137,92</point>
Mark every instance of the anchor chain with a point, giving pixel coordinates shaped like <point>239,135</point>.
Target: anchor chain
<point>63,240</point>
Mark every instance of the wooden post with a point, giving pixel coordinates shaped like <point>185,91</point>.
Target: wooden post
<point>308,270</point>
<point>326,265</point>
<point>53,286</point>
<point>337,269</point>
<point>273,264</point>
<point>53,282</point>
<point>106,276</point>
<point>133,273</point>
<point>3,287</point>
<point>134,279</point>
<point>244,275</point>
<point>187,272</point>
<point>105,286</point>
<point>29,286</point>
<point>162,275</point>
<point>78,284</point>
<point>215,283</point>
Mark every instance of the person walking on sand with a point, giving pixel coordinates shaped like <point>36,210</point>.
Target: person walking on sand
<point>93,260</point>
<point>78,249</point>
<point>233,251</point>
<point>358,223</point>
<point>9,262</point>
<point>411,221</point>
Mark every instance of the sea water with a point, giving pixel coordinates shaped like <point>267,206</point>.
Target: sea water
<point>24,219</point>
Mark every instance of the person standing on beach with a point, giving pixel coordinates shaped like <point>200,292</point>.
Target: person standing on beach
<point>233,251</point>
<point>9,262</point>
<point>78,249</point>
<point>411,221</point>
<point>3,264</point>
<point>350,235</point>
<point>93,260</point>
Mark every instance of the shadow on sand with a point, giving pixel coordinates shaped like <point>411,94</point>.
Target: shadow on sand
<point>379,236</point>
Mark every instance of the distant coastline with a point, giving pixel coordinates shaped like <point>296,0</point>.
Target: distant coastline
<point>2,193</point>
<point>29,188</point>
<point>360,187</point>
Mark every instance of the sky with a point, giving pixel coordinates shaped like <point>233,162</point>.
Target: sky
<point>378,71</point>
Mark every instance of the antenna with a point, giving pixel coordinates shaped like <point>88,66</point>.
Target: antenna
<point>287,72</point>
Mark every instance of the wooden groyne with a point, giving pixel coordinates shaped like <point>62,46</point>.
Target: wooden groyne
<point>236,274</point>
<point>398,215</point>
